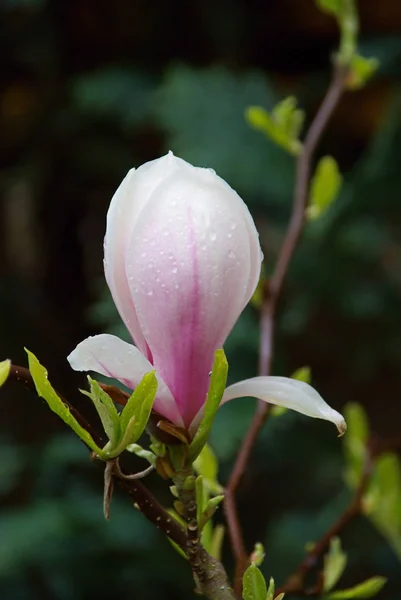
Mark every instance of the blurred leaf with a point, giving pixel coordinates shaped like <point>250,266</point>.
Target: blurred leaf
<point>254,585</point>
<point>216,542</point>
<point>362,69</point>
<point>330,6</point>
<point>355,443</point>
<point>283,126</point>
<point>202,112</point>
<point>325,187</point>
<point>119,93</point>
<point>45,391</point>
<point>217,386</point>
<point>271,589</point>
<point>4,371</point>
<point>206,465</point>
<point>382,503</point>
<point>335,562</point>
<point>258,555</point>
<point>367,589</point>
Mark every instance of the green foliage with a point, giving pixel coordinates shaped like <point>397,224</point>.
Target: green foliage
<point>217,386</point>
<point>355,443</point>
<point>45,391</point>
<point>335,562</point>
<point>4,371</point>
<point>254,585</point>
<point>383,501</point>
<point>106,410</point>
<point>258,555</point>
<point>346,14</point>
<point>368,589</point>
<point>324,188</point>
<point>282,126</point>
<point>361,71</point>
<point>207,466</point>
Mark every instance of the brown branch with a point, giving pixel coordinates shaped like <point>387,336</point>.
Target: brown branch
<point>295,584</point>
<point>272,292</point>
<point>142,497</point>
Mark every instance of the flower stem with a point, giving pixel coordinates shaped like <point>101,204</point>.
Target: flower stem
<point>210,577</point>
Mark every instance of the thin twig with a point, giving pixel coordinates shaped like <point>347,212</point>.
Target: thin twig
<point>272,292</point>
<point>142,497</point>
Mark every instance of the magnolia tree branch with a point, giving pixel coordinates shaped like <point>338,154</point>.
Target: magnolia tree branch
<point>271,294</point>
<point>142,497</point>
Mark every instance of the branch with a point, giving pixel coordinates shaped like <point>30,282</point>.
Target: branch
<point>271,295</point>
<point>142,497</point>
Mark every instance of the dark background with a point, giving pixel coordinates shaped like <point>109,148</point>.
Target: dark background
<point>90,88</point>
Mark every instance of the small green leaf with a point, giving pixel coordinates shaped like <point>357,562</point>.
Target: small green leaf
<point>217,386</point>
<point>5,366</point>
<point>201,497</point>
<point>271,589</point>
<point>206,465</point>
<point>355,443</point>
<point>106,410</point>
<point>280,596</point>
<point>302,374</point>
<point>325,187</point>
<point>330,6</point>
<point>258,554</point>
<point>282,126</point>
<point>335,562</point>
<point>253,584</point>
<point>46,391</point>
<point>216,543</point>
<point>367,589</point>
<point>139,406</point>
<point>142,453</point>
<point>361,70</point>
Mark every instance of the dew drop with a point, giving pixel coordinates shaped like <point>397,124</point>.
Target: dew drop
<point>213,236</point>
<point>174,270</point>
<point>150,292</point>
<point>232,254</point>
<point>144,254</point>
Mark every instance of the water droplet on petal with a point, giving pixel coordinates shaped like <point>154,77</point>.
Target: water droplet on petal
<point>150,292</point>
<point>232,254</point>
<point>174,270</point>
<point>213,236</point>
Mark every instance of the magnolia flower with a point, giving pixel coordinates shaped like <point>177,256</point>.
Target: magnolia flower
<point>182,259</point>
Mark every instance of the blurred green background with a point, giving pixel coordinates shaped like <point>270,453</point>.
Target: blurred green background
<point>90,88</point>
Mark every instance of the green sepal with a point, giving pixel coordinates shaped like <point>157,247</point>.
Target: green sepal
<point>325,186</point>
<point>5,366</point>
<point>282,126</point>
<point>105,409</point>
<point>367,589</point>
<point>139,405</point>
<point>217,386</point>
<point>253,584</point>
<point>335,562</point>
<point>46,391</point>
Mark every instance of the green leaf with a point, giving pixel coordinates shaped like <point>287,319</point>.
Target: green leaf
<point>217,386</point>
<point>216,542</point>
<point>201,497</point>
<point>367,589</point>
<point>46,391</point>
<point>258,554</point>
<point>271,589</point>
<point>106,410</point>
<point>330,6</point>
<point>282,126</point>
<point>302,374</point>
<point>383,501</point>
<point>325,187</point>
<point>355,443</point>
<point>254,585</point>
<point>5,366</point>
<point>335,562</point>
<point>139,406</point>
<point>206,465</point>
<point>142,453</point>
<point>361,70</point>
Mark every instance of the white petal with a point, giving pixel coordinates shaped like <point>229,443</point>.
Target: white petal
<point>289,393</point>
<point>112,357</point>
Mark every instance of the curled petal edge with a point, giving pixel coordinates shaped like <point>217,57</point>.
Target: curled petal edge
<point>112,357</point>
<point>289,393</point>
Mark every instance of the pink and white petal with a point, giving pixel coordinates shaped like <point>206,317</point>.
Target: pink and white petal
<point>193,283</point>
<point>112,357</point>
<point>125,207</point>
<point>289,393</point>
